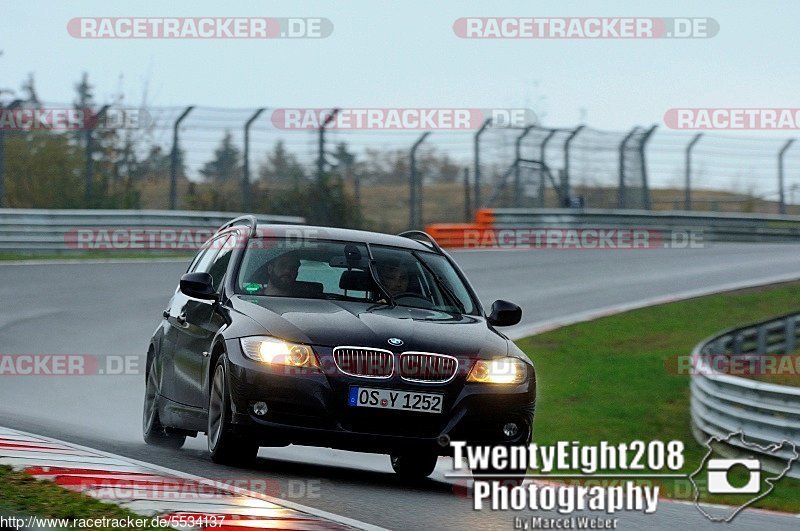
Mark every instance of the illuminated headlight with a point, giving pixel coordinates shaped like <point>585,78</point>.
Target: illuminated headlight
<point>277,352</point>
<point>498,371</point>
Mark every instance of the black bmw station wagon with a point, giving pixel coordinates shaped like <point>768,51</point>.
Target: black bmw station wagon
<point>281,334</point>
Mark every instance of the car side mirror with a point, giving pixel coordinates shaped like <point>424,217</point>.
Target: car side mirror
<point>198,286</point>
<point>504,313</point>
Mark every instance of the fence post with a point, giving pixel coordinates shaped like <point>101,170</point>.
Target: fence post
<point>2,163</point>
<point>761,340</point>
<point>467,202</point>
<point>621,199</point>
<point>477,154</point>
<point>564,193</point>
<point>13,105</point>
<point>246,203</point>
<point>542,170</point>
<point>415,194</point>
<point>790,335</point>
<point>517,168</point>
<point>687,203</point>
<point>173,162</point>
<point>89,124</point>
<point>642,158</point>
<point>781,191</point>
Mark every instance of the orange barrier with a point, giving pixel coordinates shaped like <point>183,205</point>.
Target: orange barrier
<point>485,217</point>
<point>451,234</point>
<point>454,235</point>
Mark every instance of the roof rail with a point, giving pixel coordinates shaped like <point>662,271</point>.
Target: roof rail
<point>249,220</point>
<point>422,237</point>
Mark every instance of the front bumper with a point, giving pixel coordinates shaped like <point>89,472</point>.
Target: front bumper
<point>310,408</point>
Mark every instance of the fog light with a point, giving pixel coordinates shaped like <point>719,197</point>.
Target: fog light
<point>260,408</point>
<point>511,430</point>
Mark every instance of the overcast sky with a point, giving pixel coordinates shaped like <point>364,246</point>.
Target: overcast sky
<point>406,54</point>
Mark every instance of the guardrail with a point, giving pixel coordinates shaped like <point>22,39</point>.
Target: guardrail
<point>732,227</point>
<point>34,230</point>
<point>722,404</point>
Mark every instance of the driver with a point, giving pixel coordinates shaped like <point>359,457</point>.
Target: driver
<point>282,275</point>
<point>395,277</point>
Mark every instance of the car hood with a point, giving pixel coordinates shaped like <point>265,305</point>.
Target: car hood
<point>331,323</point>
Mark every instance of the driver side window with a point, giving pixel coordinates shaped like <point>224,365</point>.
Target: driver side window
<point>219,266</point>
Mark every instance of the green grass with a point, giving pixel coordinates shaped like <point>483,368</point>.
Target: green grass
<point>614,378</point>
<point>23,496</point>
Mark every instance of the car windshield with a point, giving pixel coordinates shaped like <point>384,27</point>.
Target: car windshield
<point>339,270</point>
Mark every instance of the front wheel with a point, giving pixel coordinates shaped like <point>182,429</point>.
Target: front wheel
<point>152,430</point>
<point>414,465</point>
<point>226,447</point>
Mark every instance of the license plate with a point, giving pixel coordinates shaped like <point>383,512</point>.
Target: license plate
<point>391,399</point>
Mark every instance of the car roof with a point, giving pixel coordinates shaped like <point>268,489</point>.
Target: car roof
<point>264,230</point>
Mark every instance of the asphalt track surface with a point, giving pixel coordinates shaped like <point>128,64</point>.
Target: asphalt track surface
<point>112,308</point>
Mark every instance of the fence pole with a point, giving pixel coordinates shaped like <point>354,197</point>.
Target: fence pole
<point>11,105</point>
<point>321,147</point>
<point>564,193</point>
<point>173,162</point>
<point>645,186</point>
<point>687,202</point>
<point>2,163</point>
<point>781,191</point>
<point>467,199</point>
<point>517,167</point>
<point>246,203</point>
<point>415,195</point>
<point>621,189</point>
<point>477,169</point>
<point>542,170</point>
<point>88,127</point>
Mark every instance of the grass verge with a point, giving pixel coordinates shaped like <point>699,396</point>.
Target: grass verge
<point>22,495</point>
<point>610,379</point>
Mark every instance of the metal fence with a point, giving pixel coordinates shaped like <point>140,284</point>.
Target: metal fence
<point>64,231</point>
<point>722,404</point>
<point>237,159</point>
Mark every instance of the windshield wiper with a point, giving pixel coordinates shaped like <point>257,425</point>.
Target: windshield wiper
<point>374,274</point>
<point>454,300</point>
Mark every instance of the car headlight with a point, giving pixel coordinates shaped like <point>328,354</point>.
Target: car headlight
<point>498,371</point>
<point>275,351</point>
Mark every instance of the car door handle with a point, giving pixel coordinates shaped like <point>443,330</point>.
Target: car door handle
<point>181,319</point>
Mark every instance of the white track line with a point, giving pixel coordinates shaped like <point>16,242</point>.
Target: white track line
<point>221,486</point>
<point>589,315</point>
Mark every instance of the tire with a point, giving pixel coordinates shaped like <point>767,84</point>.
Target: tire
<point>414,465</point>
<point>225,446</point>
<point>152,431</point>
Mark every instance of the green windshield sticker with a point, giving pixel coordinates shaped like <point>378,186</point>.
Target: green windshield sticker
<point>252,287</point>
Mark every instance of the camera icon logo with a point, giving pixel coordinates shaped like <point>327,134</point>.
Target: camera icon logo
<point>719,483</point>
